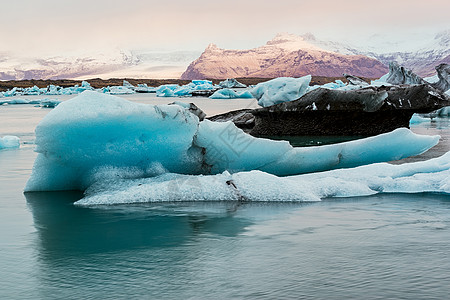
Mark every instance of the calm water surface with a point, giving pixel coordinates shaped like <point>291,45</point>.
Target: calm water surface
<point>385,246</point>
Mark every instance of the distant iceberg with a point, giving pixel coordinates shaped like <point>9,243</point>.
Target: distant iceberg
<point>175,90</point>
<point>94,132</point>
<point>9,141</point>
<point>230,94</point>
<point>231,83</point>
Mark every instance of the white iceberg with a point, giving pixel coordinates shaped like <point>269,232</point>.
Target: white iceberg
<point>144,88</point>
<point>94,132</point>
<point>282,89</point>
<point>53,90</point>
<point>9,141</point>
<point>426,176</point>
<point>230,94</point>
<point>118,90</point>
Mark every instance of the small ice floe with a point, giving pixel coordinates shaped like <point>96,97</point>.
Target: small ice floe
<point>230,94</point>
<point>9,141</point>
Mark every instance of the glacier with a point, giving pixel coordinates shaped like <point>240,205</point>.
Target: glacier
<point>97,133</point>
<point>426,176</point>
<point>9,141</point>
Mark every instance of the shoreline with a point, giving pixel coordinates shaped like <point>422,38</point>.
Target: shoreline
<point>100,83</point>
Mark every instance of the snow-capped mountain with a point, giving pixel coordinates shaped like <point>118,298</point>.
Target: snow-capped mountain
<point>285,55</point>
<point>293,55</point>
<point>420,56</point>
<point>115,63</point>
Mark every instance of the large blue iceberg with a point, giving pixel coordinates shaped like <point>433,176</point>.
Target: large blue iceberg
<point>96,136</point>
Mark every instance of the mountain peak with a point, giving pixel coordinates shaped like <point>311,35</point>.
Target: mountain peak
<point>286,55</point>
<point>212,46</point>
<point>293,42</point>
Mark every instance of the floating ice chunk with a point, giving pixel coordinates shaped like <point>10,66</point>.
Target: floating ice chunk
<point>93,131</point>
<point>128,85</point>
<point>230,94</point>
<point>182,91</point>
<point>119,90</point>
<point>49,103</point>
<point>10,93</point>
<point>166,90</point>
<point>427,176</point>
<point>432,79</point>
<point>18,101</point>
<point>231,83</point>
<point>280,90</point>
<point>144,88</point>
<point>9,141</point>
<point>33,91</point>
<point>416,119</point>
<point>53,90</point>
<point>445,111</point>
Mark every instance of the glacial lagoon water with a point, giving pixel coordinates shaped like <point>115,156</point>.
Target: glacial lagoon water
<point>387,246</point>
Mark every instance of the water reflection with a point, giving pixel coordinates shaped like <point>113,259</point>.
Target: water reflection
<point>65,229</point>
<point>382,246</point>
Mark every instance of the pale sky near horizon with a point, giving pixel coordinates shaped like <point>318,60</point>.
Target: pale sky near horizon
<point>55,27</point>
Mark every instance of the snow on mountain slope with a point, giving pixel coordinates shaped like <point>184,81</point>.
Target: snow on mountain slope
<point>420,56</point>
<point>106,64</point>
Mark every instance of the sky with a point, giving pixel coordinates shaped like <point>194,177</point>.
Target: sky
<point>55,27</point>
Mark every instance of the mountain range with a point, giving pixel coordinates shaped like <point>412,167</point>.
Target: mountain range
<point>284,55</point>
<point>294,56</point>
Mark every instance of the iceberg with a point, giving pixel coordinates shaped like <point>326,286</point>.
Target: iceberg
<point>444,112</point>
<point>282,89</point>
<point>49,103</point>
<point>426,176</point>
<point>53,90</point>
<point>174,90</point>
<point>10,93</point>
<point>416,119</point>
<point>166,90</point>
<point>144,88</point>
<point>9,141</point>
<point>15,101</point>
<point>230,94</point>
<point>96,133</point>
<point>118,90</point>
<point>231,83</point>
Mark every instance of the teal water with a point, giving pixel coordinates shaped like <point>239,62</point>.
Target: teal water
<point>387,246</point>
